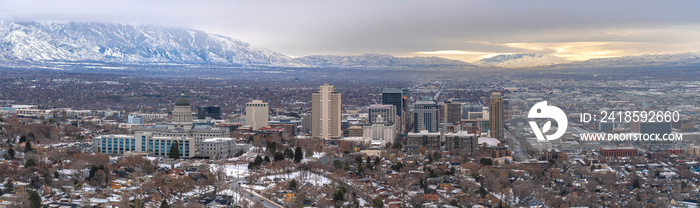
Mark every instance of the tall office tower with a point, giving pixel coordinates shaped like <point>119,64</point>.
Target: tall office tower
<point>399,98</point>
<point>256,114</point>
<point>209,111</point>
<point>453,112</point>
<point>182,113</point>
<point>496,116</point>
<point>326,113</point>
<point>388,113</point>
<point>426,116</point>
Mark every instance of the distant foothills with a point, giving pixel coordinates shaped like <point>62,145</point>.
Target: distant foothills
<point>38,43</point>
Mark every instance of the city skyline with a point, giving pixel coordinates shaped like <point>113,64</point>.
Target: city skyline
<point>278,104</point>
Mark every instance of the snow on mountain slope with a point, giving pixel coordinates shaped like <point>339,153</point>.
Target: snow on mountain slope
<point>378,60</point>
<point>521,60</point>
<point>118,43</point>
<point>680,59</point>
<point>535,60</point>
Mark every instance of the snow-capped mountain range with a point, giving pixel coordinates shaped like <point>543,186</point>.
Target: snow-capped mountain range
<point>41,42</point>
<point>117,43</point>
<point>37,43</point>
<point>539,60</point>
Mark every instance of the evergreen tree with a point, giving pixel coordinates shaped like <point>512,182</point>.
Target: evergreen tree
<point>9,187</point>
<point>292,185</point>
<point>164,204</point>
<point>11,153</point>
<point>397,145</point>
<point>298,154</point>
<point>279,156</point>
<point>30,162</point>
<point>340,194</point>
<point>34,199</point>
<point>258,161</point>
<point>486,161</point>
<point>289,153</point>
<point>482,191</point>
<point>437,155</point>
<point>28,147</point>
<point>271,146</point>
<point>174,151</point>
<point>378,203</point>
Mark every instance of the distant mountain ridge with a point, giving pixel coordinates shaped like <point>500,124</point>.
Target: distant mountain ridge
<point>378,60</point>
<point>679,59</point>
<point>538,60</point>
<point>521,60</point>
<point>36,42</point>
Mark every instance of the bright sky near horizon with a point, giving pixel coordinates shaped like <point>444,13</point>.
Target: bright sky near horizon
<point>464,30</point>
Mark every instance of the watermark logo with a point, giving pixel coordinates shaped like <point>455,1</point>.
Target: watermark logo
<point>542,110</point>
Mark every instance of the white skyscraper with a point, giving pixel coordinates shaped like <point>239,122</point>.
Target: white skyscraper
<point>256,114</point>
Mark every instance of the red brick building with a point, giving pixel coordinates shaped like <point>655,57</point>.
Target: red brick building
<point>618,151</point>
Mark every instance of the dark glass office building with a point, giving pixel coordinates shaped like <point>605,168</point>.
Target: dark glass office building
<point>209,111</point>
<point>397,97</point>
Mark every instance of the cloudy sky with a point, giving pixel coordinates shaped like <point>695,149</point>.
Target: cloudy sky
<point>465,30</point>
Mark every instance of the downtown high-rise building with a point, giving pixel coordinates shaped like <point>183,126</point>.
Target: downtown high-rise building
<point>426,116</point>
<point>209,111</point>
<point>496,116</point>
<point>399,98</point>
<point>326,113</point>
<point>453,112</point>
<point>257,114</point>
<point>387,112</point>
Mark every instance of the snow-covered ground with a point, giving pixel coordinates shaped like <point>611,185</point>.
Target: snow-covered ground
<point>315,157</point>
<point>232,170</point>
<point>303,177</point>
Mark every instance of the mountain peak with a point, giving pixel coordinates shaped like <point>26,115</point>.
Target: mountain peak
<point>521,60</point>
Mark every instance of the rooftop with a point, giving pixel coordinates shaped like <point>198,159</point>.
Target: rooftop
<point>182,100</point>
<point>219,139</point>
